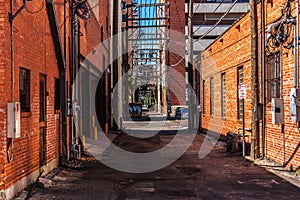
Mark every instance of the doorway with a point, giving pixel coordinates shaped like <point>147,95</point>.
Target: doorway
<point>42,120</point>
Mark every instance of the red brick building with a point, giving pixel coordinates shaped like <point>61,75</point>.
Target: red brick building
<point>31,62</point>
<point>177,48</point>
<point>226,64</point>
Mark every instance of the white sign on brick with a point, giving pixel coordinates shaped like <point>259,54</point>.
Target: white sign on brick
<point>242,91</point>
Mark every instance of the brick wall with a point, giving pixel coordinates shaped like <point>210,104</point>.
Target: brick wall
<point>177,48</point>
<point>225,55</point>
<point>94,47</point>
<point>2,90</point>
<point>34,50</point>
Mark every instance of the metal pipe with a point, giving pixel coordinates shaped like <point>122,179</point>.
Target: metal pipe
<point>296,48</point>
<point>263,68</point>
<point>168,67</point>
<point>12,54</point>
<point>243,129</point>
<point>254,80</point>
<point>189,67</point>
<point>280,70</point>
<point>62,74</point>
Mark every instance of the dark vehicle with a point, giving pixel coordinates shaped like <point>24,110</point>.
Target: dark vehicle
<point>181,113</point>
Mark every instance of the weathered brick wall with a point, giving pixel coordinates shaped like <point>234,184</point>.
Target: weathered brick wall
<point>3,64</point>
<point>177,48</point>
<point>225,55</point>
<point>34,50</point>
<point>94,47</point>
<point>275,139</point>
<point>221,57</point>
<point>94,32</point>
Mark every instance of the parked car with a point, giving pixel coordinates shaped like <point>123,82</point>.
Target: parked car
<point>182,113</point>
<point>185,113</point>
<point>178,112</point>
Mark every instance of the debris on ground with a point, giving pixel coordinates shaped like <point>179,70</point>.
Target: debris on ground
<point>44,183</point>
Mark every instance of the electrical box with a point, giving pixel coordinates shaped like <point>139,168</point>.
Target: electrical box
<point>295,104</point>
<point>277,111</point>
<point>13,120</point>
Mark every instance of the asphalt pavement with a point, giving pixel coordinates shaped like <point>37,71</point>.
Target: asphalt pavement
<point>219,175</point>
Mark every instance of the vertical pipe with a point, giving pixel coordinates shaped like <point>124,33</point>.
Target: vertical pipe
<point>243,121</point>
<point>263,68</point>
<point>189,68</point>
<point>119,72</point>
<point>168,65</point>
<point>12,72</point>
<point>280,70</point>
<point>74,31</point>
<point>254,81</point>
<point>12,55</point>
<point>296,48</point>
<point>281,96</point>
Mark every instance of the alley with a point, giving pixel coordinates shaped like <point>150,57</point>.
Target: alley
<point>220,175</point>
<point>134,99</point>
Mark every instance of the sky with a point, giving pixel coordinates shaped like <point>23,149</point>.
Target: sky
<point>147,12</point>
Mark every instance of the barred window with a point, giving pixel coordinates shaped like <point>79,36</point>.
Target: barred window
<point>25,89</point>
<point>273,76</point>
<point>223,96</point>
<point>211,96</point>
<point>240,81</point>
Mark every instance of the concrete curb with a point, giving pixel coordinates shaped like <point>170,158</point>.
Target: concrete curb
<point>278,170</point>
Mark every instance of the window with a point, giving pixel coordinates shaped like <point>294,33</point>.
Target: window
<point>273,76</point>
<point>25,90</point>
<point>240,102</point>
<point>223,95</point>
<point>57,94</point>
<point>211,96</point>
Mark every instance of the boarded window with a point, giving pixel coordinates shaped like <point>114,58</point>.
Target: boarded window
<point>57,94</point>
<point>25,89</point>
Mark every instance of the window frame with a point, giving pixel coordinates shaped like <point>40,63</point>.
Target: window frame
<point>240,80</point>
<point>223,95</point>
<point>273,76</point>
<point>56,94</point>
<point>212,93</point>
<point>24,89</point>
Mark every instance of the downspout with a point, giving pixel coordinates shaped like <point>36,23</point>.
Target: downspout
<point>11,20</point>
<point>62,74</point>
<point>263,68</point>
<point>74,67</point>
<point>296,48</point>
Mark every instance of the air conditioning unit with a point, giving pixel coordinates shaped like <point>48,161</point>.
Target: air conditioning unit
<point>277,111</point>
<point>14,120</point>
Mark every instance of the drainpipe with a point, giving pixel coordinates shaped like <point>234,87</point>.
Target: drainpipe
<point>74,68</point>
<point>62,74</point>
<point>296,48</point>
<point>11,20</point>
<point>263,67</point>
